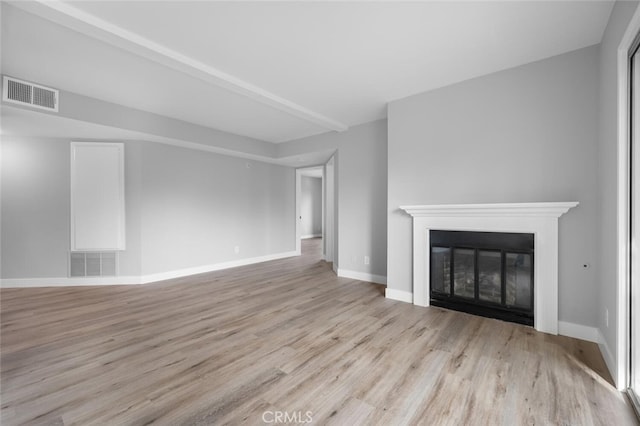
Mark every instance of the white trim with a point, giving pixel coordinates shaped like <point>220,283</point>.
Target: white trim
<point>144,279</point>
<point>540,219</point>
<point>331,211</point>
<point>578,331</point>
<point>553,209</point>
<point>306,237</point>
<point>215,267</point>
<point>68,281</point>
<point>607,355</point>
<point>399,295</point>
<point>362,276</point>
<point>323,218</point>
<point>620,370</point>
<point>65,14</point>
<point>298,198</point>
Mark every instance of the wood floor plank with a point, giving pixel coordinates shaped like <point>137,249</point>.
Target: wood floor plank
<point>284,338</point>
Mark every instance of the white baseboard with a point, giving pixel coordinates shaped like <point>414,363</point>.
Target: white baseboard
<point>592,334</point>
<point>399,295</point>
<point>143,279</point>
<point>307,236</point>
<point>68,281</point>
<point>362,276</point>
<point>578,331</point>
<point>609,359</point>
<point>215,267</point>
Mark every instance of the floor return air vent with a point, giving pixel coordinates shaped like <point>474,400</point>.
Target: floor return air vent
<point>93,264</point>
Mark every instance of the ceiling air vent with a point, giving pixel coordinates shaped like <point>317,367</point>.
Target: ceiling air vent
<point>25,93</point>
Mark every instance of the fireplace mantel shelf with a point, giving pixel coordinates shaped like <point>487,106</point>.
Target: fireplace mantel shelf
<point>540,219</point>
<point>547,209</point>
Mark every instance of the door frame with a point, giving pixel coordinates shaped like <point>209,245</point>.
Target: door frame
<point>622,375</point>
<point>298,197</point>
<point>329,195</point>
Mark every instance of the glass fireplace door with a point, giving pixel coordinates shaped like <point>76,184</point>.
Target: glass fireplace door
<point>483,273</point>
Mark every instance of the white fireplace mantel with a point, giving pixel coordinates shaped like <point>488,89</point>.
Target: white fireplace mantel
<point>540,219</point>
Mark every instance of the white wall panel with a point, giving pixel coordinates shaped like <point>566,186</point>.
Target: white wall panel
<point>97,196</point>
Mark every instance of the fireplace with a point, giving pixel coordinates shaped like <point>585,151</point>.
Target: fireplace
<point>538,219</point>
<point>483,273</point>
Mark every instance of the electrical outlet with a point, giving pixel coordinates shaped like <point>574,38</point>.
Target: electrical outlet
<point>236,249</point>
<point>606,317</point>
<point>366,260</point>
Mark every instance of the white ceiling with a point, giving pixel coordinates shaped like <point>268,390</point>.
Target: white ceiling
<point>278,71</point>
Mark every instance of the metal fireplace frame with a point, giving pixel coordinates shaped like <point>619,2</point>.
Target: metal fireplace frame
<point>502,242</point>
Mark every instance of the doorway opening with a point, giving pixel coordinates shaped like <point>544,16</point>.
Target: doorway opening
<point>311,223</point>
<point>315,201</point>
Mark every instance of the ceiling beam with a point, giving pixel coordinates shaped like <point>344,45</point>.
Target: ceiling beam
<point>69,16</point>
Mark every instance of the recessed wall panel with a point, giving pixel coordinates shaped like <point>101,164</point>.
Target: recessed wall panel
<point>97,196</point>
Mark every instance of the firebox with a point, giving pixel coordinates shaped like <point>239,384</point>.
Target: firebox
<point>483,273</point>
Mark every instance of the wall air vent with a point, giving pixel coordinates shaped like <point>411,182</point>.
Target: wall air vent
<point>93,264</point>
<point>29,94</point>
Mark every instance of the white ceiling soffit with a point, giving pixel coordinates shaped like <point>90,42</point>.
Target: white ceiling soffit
<point>21,123</point>
<point>86,23</point>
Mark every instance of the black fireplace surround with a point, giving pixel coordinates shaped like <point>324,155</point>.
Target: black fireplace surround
<point>483,273</point>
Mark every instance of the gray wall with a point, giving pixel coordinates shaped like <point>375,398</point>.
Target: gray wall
<point>361,180</point>
<point>521,135</point>
<point>184,208</point>
<point>311,206</point>
<point>131,259</point>
<point>35,207</point>
<point>608,171</point>
<point>198,206</point>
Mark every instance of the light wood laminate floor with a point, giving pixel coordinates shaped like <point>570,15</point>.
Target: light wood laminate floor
<point>285,336</point>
